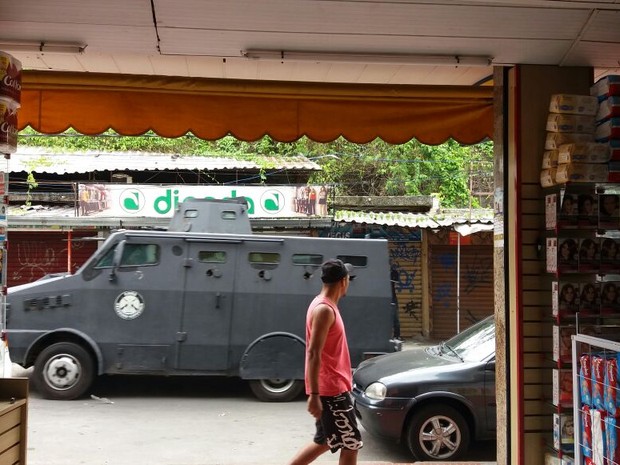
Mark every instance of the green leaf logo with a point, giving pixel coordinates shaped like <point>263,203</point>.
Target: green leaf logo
<point>273,204</point>
<point>272,201</point>
<point>132,200</point>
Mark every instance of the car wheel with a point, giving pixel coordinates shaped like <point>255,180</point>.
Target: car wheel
<point>63,371</point>
<point>276,389</point>
<point>438,432</point>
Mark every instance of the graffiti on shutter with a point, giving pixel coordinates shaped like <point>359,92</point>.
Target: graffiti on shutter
<point>475,291</point>
<point>405,260</point>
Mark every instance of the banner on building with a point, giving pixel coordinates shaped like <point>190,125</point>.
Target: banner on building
<point>131,200</point>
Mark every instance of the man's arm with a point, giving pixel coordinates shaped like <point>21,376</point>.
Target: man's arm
<point>322,319</point>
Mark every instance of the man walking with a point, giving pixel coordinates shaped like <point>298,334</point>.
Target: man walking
<point>328,371</point>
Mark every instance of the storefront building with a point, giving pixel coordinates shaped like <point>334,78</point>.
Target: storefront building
<point>517,108</point>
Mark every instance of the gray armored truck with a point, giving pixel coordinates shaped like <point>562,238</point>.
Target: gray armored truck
<point>205,297</point>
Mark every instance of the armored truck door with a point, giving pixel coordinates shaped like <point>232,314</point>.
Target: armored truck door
<point>132,294</point>
<point>210,280</point>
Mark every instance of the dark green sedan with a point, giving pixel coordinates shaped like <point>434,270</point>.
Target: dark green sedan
<point>435,399</point>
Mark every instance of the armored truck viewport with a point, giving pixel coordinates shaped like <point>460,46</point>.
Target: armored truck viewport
<point>205,297</point>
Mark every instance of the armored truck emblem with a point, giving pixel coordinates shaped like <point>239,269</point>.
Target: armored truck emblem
<point>129,305</point>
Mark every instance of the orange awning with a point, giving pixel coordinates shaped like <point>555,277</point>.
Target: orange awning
<point>213,108</point>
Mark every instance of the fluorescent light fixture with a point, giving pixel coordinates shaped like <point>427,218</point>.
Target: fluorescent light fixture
<point>368,58</point>
<point>41,46</point>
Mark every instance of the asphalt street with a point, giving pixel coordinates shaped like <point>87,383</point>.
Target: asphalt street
<point>179,421</point>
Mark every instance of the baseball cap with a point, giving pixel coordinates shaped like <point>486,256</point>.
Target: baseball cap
<point>334,270</point>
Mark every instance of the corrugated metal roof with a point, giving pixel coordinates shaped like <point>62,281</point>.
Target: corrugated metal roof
<point>56,216</point>
<point>42,160</point>
<point>434,219</point>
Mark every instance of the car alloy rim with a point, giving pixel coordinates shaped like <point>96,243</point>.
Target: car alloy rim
<point>440,437</point>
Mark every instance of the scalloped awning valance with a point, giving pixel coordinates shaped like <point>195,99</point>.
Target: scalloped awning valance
<point>52,102</point>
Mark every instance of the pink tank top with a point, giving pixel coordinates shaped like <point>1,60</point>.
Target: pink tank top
<point>335,375</point>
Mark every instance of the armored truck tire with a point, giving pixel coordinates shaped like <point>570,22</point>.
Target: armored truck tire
<point>276,389</point>
<point>63,371</point>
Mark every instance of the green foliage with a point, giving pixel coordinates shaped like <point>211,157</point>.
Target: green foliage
<point>452,171</point>
<point>449,170</point>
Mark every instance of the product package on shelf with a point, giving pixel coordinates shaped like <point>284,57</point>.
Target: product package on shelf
<point>8,125</point>
<point>551,253</point>
<point>562,343</point>
<point>605,87</point>
<point>589,300</point>
<point>614,150</point>
<point>547,177</point>
<point>556,459</point>
<point>561,211</point>
<point>610,298</point>
<point>573,104</point>
<point>582,172</point>
<point>555,139</point>
<point>609,211</point>
<point>608,130</point>
<point>565,298</point>
<point>550,159</point>
<point>589,255</point>
<point>563,432</point>
<point>608,108</point>
<point>10,98</point>
<point>558,122</point>
<point>562,387</point>
<point>598,407</point>
<point>587,210</point>
<point>568,217</point>
<point>567,255</point>
<point>588,152</point>
<point>551,211</point>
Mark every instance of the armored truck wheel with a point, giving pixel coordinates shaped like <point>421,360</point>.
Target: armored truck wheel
<point>276,390</point>
<point>63,371</point>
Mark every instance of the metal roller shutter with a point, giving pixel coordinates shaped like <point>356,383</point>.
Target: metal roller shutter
<point>33,254</point>
<point>405,257</point>
<point>476,287</point>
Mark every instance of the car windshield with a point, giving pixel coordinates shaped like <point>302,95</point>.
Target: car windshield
<point>476,343</point>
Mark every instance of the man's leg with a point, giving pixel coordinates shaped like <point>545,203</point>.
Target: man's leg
<point>310,453</point>
<point>347,457</point>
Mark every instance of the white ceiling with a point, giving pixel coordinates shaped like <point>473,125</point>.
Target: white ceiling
<point>204,38</point>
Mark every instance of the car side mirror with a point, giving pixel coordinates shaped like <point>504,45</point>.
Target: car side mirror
<point>116,260</point>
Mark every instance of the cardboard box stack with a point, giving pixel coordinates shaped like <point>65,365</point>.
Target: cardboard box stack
<point>607,92</point>
<point>571,151</point>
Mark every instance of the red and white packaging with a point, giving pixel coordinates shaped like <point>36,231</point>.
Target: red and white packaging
<point>10,78</point>
<point>606,86</point>
<point>585,379</point>
<point>608,108</point>
<point>8,125</point>
<point>598,381</point>
<point>586,432</point>
<point>611,385</point>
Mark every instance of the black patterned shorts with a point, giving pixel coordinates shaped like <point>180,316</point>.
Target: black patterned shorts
<point>338,426</point>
